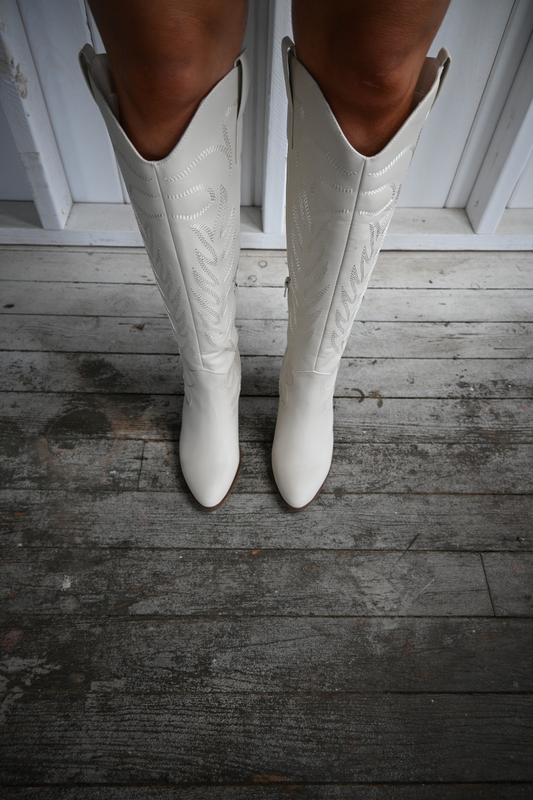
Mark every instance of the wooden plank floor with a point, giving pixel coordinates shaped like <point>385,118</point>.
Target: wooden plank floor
<point>377,646</point>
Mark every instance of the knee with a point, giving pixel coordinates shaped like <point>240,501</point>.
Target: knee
<point>167,86</point>
<point>371,72</point>
<point>376,81</point>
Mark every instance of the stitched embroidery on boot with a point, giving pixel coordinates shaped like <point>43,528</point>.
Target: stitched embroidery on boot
<point>216,256</point>
<point>411,147</point>
<point>165,280</point>
<point>358,277</point>
<point>225,148</point>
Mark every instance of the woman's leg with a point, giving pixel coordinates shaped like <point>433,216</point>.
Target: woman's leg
<point>366,56</point>
<point>180,159</point>
<point>165,57</point>
<point>360,66</point>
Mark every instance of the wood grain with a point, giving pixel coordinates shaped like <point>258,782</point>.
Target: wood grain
<point>511,583</point>
<point>435,340</point>
<point>221,583</point>
<point>400,522</point>
<point>113,373</point>
<point>264,789</point>
<point>397,270</point>
<point>285,655</point>
<point>236,738</point>
<point>365,419</point>
<point>382,468</point>
<point>55,461</point>
<point>376,646</point>
<point>407,305</point>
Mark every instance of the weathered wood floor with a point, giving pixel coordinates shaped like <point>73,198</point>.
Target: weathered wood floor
<point>378,645</point>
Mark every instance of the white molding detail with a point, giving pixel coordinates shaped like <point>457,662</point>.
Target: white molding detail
<point>25,109</point>
<point>522,196</point>
<point>510,52</point>
<point>274,175</point>
<point>508,152</point>
<point>113,225</point>
<point>472,31</point>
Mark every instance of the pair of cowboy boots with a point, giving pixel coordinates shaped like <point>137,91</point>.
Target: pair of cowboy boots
<point>187,205</point>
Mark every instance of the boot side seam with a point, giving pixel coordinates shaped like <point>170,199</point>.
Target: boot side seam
<point>176,250</point>
<point>417,117</point>
<point>340,272</point>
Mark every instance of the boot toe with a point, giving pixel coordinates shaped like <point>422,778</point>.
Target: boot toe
<point>298,483</point>
<point>210,480</point>
<point>210,455</point>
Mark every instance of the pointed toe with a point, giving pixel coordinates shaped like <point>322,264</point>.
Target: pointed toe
<point>339,205</point>
<point>209,443</point>
<point>299,486</point>
<point>303,442</point>
<point>192,237</point>
<point>211,483</point>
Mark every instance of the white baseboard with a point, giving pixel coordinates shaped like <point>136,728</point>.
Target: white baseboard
<point>108,224</point>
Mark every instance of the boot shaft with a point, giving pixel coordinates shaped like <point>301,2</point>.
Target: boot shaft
<point>339,206</point>
<point>187,207</point>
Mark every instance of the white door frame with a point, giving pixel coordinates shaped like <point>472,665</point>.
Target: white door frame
<point>485,223</point>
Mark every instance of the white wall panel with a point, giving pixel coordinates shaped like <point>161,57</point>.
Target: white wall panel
<point>508,153</point>
<point>442,173</point>
<point>28,119</point>
<point>98,47</point>
<point>503,73</point>
<point>56,31</point>
<point>472,31</point>
<point>522,197</point>
<point>256,43</point>
<point>13,182</point>
<point>274,173</point>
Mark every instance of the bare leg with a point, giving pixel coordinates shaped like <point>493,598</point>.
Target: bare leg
<point>166,56</point>
<point>366,56</point>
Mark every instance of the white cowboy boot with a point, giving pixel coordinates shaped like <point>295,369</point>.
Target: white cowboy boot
<point>339,205</point>
<point>187,206</point>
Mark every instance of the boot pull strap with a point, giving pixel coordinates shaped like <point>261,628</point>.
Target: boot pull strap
<point>444,58</point>
<point>243,64</point>
<point>85,57</point>
<point>98,77</point>
<point>288,51</point>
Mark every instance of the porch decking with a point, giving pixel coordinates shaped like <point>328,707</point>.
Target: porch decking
<point>378,645</point>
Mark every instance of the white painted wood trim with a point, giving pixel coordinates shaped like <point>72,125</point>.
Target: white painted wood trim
<point>522,197</point>
<point>450,229</point>
<point>253,235</point>
<point>113,225</point>
<point>472,31</point>
<point>508,152</point>
<point>25,109</point>
<point>274,175</point>
<point>98,47</point>
<point>510,53</point>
